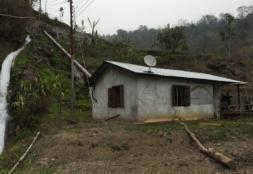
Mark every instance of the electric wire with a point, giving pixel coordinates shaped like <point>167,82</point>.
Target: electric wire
<point>82,6</point>
<point>80,12</point>
<point>77,3</point>
<point>81,3</point>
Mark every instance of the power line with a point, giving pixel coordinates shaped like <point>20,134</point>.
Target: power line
<point>78,8</point>
<point>76,4</point>
<point>80,12</point>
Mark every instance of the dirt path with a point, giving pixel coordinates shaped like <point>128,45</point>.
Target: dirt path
<point>101,150</point>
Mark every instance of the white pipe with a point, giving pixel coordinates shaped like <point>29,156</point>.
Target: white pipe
<point>4,84</point>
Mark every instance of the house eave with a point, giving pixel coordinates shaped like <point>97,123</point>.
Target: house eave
<point>106,64</point>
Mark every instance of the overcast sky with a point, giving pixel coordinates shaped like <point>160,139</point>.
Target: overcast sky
<point>129,14</point>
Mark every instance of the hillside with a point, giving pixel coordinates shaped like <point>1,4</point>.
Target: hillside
<point>209,27</point>
<point>71,142</point>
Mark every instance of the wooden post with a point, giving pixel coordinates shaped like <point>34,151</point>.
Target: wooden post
<point>239,98</point>
<point>46,7</point>
<point>40,11</point>
<point>72,53</point>
<point>217,102</point>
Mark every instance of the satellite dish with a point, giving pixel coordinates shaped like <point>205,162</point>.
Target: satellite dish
<point>150,61</point>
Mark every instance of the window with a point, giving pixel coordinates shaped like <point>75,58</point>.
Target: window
<point>181,96</point>
<point>116,97</point>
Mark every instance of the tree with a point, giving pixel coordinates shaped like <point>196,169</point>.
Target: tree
<point>208,19</point>
<point>172,39</point>
<point>244,11</point>
<point>228,33</point>
<point>61,11</point>
<point>143,28</point>
<point>122,35</point>
<point>94,32</point>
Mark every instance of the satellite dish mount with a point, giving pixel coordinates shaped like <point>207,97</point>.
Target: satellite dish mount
<point>150,61</point>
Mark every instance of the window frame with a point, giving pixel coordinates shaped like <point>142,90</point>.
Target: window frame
<point>116,96</point>
<point>181,96</point>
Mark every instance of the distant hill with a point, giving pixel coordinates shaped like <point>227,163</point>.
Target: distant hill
<point>203,36</point>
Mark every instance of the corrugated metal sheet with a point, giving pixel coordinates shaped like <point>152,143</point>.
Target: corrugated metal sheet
<point>172,73</point>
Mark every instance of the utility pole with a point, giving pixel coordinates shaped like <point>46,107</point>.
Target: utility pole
<point>72,53</point>
<point>46,6</point>
<point>40,11</point>
<point>40,7</point>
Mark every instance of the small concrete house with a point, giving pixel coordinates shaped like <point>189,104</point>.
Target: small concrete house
<point>132,92</point>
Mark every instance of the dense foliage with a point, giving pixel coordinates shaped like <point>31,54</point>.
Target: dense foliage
<point>172,39</point>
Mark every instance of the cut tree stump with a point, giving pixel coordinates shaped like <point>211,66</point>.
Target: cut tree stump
<point>219,157</point>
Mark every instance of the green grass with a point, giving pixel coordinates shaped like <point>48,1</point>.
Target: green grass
<point>235,130</point>
<point>214,130</point>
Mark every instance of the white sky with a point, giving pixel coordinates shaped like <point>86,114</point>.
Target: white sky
<point>129,14</point>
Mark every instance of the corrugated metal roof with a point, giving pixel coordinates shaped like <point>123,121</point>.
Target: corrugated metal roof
<point>172,73</point>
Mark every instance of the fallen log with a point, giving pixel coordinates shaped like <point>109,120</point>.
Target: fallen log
<point>219,157</point>
<point>25,154</point>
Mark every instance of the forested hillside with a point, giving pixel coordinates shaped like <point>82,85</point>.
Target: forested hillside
<point>208,35</point>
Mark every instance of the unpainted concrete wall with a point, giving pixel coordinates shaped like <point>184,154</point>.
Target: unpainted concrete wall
<point>114,77</point>
<point>154,100</point>
<point>147,97</point>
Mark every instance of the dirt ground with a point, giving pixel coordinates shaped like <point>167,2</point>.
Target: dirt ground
<point>107,151</point>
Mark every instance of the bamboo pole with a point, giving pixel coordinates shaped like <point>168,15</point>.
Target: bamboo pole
<point>219,157</point>
<point>68,55</point>
<point>239,98</point>
<point>81,68</point>
<point>25,154</point>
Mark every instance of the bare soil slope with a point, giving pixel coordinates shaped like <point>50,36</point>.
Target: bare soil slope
<point>104,150</point>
